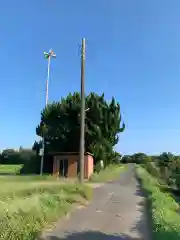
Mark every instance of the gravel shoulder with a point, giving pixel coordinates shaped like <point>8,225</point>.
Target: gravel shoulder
<point>117,211</point>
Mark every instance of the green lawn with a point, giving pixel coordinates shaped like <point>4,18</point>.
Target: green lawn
<point>10,169</point>
<point>26,178</point>
<point>165,211</point>
<point>26,207</point>
<point>112,172</point>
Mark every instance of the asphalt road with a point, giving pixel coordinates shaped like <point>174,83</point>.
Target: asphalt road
<point>117,211</point>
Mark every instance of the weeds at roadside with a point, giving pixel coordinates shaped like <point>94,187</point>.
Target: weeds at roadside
<point>28,212</point>
<point>112,172</point>
<point>164,209</point>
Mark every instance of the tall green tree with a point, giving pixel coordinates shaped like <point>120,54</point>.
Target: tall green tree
<point>140,158</point>
<point>166,159</point>
<point>60,125</point>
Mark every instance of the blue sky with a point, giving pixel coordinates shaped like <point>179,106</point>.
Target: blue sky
<point>133,53</point>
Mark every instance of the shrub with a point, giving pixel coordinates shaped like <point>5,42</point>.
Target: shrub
<point>32,166</point>
<point>126,159</point>
<point>163,208</point>
<point>10,156</point>
<point>152,169</point>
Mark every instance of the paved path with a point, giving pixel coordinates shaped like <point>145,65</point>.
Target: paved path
<point>116,212</point>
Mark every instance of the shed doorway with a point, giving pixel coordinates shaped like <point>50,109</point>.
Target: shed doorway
<point>63,168</point>
<point>78,166</point>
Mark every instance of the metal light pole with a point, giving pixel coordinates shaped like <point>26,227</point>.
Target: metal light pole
<point>82,115</point>
<point>47,56</point>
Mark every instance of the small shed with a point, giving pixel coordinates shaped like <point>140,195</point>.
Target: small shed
<point>67,164</point>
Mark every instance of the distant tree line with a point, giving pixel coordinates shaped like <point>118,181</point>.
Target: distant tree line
<point>11,156</point>
<point>137,158</point>
<point>165,167</point>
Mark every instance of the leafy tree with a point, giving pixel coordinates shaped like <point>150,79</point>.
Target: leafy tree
<point>165,159</point>
<point>127,159</point>
<point>165,162</point>
<point>60,125</point>
<point>140,158</point>
<point>174,173</point>
<point>154,158</point>
<point>11,156</point>
<point>37,146</point>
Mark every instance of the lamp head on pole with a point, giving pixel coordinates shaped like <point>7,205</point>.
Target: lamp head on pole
<point>51,53</point>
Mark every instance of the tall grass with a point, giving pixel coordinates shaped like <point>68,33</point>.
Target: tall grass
<point>26,208</point>
<point>111,172</point>
<point>27,178</point>
<point>164,209</point>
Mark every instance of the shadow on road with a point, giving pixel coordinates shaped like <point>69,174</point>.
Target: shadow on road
<point>98,235</point>
<point>139,192</point>
<point>89,235</point>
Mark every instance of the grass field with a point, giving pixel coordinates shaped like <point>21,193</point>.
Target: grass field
<point>10,169</point>
<point>30,203</point>
<point>112,172</point>
<point>26,207</point>
<point>165,211</point>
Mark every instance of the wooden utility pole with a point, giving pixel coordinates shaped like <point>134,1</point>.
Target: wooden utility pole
<point>82,115</point>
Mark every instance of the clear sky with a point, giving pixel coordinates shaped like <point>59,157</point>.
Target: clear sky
<point>133,53</point>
